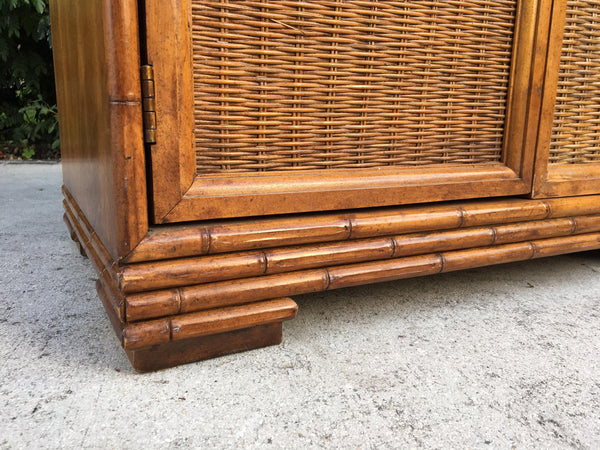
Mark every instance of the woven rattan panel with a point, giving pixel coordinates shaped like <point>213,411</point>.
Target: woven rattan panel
<point>289,85</point>
<point>576,128</point>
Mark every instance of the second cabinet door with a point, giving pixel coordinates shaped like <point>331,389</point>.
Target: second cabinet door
<point>568,149</point>
<point>272,107</point>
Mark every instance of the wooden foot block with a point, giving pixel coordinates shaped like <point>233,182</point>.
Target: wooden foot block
<point>174,353</point>
<point>205,347</point>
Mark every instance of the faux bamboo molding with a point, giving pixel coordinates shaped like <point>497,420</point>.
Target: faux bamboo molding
<point>225,280</point>
<point>221,294</point>
<point>188,299</point>
<point>238,235</point>
<point>206,269</point>
<point>187,326</point>
<point>86,234</point>
<point>184,351</point>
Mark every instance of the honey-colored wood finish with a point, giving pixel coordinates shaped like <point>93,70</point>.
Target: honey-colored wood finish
<point>171,354</point>
<point>206,269</point>
<point>144,306</point>
<point>206,323</point>
<point>213,294</point>
<point>100,114</point>
<point>205,347</point>
<point>164,343</point>
<point>247,234</point>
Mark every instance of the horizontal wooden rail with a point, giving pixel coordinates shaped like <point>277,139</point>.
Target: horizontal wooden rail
<point>261,233</point>
<point>144,306</point>
<point>150,276</point>
<point>216,281</point>
<point>188,326</point>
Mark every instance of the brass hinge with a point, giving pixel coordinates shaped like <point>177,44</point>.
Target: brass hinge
<point>148,104</point>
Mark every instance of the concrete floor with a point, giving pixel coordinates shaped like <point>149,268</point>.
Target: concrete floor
<point>502,357</point>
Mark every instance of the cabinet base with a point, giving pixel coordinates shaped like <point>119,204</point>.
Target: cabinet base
<point>186,307</point>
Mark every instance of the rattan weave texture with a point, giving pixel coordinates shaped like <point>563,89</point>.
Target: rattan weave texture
<point>297,85</point>
<point>576,127</point>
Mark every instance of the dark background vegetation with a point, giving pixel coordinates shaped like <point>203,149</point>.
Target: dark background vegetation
<point>28,119</point>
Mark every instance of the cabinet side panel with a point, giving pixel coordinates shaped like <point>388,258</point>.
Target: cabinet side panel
<point>82,95</point>
<point>102,150</point>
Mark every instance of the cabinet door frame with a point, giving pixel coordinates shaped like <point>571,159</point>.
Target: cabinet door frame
<point>179,195</point>
<point>569,179</point>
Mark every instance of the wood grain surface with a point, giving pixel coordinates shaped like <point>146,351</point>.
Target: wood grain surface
<point>99,109</point>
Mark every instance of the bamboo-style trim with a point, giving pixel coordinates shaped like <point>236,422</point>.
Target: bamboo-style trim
<point>81,224</point>
<point>231,236</point>
<point>107,279</point>
<point>160,319</point>
<point>70,227</point>
<point>189,299</point>
<point>188,326</point>
<point>277,283</point>
<point>116,297</point>
<point>206,269</point>
<point>272,265</point>
<point>187,350</point>
<point>108,302</point>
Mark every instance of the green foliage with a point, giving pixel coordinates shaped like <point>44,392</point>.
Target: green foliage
<point>28,119</point>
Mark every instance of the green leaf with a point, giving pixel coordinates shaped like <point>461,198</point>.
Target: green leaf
<point>39,6</point>
<point>28,152</point>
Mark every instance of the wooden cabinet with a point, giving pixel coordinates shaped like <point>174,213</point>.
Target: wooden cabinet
<point>221,156</point>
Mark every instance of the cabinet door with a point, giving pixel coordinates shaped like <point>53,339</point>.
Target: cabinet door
<point>568,149</point>
<point>277,106</point>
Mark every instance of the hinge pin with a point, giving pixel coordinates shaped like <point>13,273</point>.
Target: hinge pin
<point>148,104</point>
